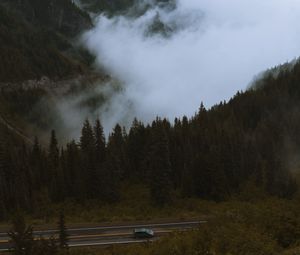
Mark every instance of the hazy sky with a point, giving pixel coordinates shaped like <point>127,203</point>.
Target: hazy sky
<point>220,45</point>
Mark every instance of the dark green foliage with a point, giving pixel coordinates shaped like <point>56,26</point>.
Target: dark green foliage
<point>159,164</point>
<point>115,164</point>
<point>54,170</point>
<point>108,6</point>
<point>248,145</point>
<point>88,160</point>
<point>100,142</point>
<point>63,235</point>
<point>23,242</point>
<point>45,247</point>
<point>129,7</point>
<point>136,150</point>
<point>57,15</point>
<point>53,151</point>
<point>34,39</point>
<point>21,236</point>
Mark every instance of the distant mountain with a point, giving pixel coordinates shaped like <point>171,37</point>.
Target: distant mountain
<point>62,16</point>
<point>36,39</point>
<point>130,7</point>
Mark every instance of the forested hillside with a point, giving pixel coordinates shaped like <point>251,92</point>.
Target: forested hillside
<point>132,7</point>
<point>235,165</point>
<point>35,39</point>
<point>250,142</point>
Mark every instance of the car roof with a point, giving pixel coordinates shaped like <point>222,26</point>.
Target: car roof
<point>143,230</point>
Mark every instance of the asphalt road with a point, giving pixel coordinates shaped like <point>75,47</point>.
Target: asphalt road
<point>109,235</point>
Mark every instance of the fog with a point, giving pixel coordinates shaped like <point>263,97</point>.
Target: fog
<point>206,51</point>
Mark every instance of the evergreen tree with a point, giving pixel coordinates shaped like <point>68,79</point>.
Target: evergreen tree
<point>115,165</point>
<point>53,165</point>
<point>116,151</point>
<point>53,150</point>
<point>74,174</point>
<point>159,166</point>
<point>135,148</point>
<point>3,184</point>
<point>88,161</point>
<point>40,176</point>
<point>21,236</point>
<point>100,142</point>
<point>63,235</point>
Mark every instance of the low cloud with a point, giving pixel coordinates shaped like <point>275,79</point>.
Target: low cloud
<point>199,51</point>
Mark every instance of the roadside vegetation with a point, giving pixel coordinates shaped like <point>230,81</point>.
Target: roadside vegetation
<point>262,227</point>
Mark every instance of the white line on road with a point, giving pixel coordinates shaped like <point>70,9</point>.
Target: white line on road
<point>128,226</point>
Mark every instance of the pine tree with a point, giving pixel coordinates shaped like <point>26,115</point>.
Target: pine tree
<point>87,139</point>
<point>36,164</point>
<point>100,156</point>
<point>135,148</point>
<point>74,178</point>
<point>88,161</point>
<point>3,209</point>
<point>21,236</point>
<point>63,234</point>
<point>159,166</point>
<point>114,166</point>
<point>53,150</point>
<point>100,142</point>
<point>53,166</point>
<point>115,149</point>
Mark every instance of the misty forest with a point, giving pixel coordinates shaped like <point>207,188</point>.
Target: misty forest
<point>102,124</point>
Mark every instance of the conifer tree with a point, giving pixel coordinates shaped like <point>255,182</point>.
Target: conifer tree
<point>88,160</point>
<point>100,142</point>
<point>63,235</point>
<point>36,166</point>
<point>135,148</point>
<point>3,208</point>
<point>75,180</point>
<point>114,166</point>
<point>115,149</point>
<point>159,166</point>
<point>21,236</point>
<point>53,165</point>
<point>53,150</point>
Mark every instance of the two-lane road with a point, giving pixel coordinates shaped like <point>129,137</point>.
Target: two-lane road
<point>108,235</point>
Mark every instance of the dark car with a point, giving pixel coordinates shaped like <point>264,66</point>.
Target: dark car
<point>143,233</point>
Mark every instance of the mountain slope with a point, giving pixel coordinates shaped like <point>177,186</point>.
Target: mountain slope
<point>35,39</point>
<point>131,7</point>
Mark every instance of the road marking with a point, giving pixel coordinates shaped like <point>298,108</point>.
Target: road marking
<point>127,226</point>
<point>101,235</point>
<point>118,234</point>
<point>141,225</point>
<point>110,243</point>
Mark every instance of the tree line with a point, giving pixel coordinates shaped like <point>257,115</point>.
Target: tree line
<point>249,141</point>
<point>23,241</point>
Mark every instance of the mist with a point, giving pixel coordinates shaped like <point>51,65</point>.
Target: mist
<point>203,51</point>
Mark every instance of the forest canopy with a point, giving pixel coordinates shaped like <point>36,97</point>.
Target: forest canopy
<point>213,155</point>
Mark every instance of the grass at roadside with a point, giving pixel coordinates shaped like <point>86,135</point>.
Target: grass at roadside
<point>266,227</point>
<point>239,226</point>
<point>135,206</point>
